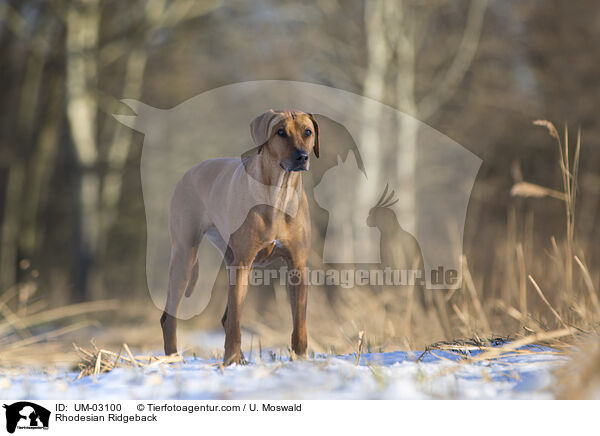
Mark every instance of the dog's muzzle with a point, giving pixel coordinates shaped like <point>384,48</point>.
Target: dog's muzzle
<point>298,162</point>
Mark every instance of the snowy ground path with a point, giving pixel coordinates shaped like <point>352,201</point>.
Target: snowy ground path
<point>392,375</point>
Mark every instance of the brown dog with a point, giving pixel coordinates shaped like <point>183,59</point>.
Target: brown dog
<point>254,210</point>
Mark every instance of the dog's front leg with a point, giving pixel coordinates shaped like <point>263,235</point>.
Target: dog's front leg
<point>298,297</point>
<point>238,288</point>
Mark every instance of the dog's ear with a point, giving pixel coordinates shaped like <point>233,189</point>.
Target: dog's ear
<point>316,148</point>
<point>260,128</point>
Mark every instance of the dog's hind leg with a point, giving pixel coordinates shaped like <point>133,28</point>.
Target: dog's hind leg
<point>182,269</point>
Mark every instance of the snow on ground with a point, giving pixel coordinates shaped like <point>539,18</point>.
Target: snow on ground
<point>392,375</point>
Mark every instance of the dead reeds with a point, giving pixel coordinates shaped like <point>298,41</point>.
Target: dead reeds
<point>96,360</point>
<point>26,322</point>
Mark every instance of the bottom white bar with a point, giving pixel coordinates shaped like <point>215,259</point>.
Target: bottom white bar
<point>151,417</point>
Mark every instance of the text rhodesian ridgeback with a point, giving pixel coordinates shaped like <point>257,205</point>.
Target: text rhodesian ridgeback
<point>258,205</point>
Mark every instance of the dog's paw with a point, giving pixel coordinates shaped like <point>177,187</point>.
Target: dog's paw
<point>238,360</point>
<point>295,356</point>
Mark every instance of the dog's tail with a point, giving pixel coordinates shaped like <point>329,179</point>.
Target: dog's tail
<point>202,277</point>
<point>189,290</point>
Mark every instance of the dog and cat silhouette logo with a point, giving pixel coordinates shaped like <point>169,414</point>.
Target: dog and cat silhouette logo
<point>364,149</point>
<point>26,415</point>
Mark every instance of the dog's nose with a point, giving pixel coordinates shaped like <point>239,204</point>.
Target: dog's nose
<point>300,156</point>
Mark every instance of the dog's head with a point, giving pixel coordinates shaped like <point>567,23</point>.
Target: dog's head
<point>288,137</point>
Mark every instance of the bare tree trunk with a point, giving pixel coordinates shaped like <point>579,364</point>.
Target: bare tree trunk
<point>158,13</point>
<point>40,170</point>
<point>378,53</point>
<point>11,224</point>
<point>119,150</point>
<point>405,26</point>
<point>408,129</point>
<point>120,145</point>
<point>378,58</point>
<point>83,19</point>
<point>17,220</point>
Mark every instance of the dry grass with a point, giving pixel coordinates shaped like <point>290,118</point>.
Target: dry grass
<point>526,189</point>
<point>97,361</point>
<point>496,347</point>
<point>27,324</point>
<point>580,380</point>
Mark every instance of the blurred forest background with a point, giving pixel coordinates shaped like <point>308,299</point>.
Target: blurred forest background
<point>72,223</point>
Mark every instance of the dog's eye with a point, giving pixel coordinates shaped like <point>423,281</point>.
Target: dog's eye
<point>281,132</point>
<point>307,132</point>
